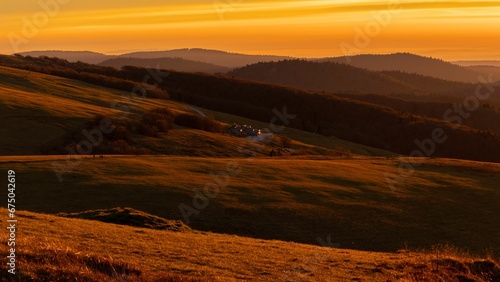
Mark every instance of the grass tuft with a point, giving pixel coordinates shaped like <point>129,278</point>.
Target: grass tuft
<point>130,217</point>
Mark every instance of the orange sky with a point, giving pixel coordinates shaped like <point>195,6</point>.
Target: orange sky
<point>315,28</point>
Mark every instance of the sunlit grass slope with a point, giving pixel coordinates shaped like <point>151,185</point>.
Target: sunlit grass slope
<point>38,110</point>
<point>443,201</point>
<point>53,248</point>
<point>305,137</point>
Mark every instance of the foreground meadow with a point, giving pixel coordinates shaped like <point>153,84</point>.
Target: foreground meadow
<point>292,199</point>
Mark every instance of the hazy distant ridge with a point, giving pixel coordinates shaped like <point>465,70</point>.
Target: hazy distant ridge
<point>410,63</point>
<point>221,58</point>
<point>178,64</point>
<point>72,56</point>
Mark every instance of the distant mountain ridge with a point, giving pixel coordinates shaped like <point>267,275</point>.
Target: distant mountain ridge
<point>196,60</point>
<point>323,76</point>
<point>487,70</point>
<point>477,63</point>
<point>409,63</point>
<point>88,57</point>
<point>222,58</point>
<point>333,77</point>
<point>325,114</point>
<point>177,64</point>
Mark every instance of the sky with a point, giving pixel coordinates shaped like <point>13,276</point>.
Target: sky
<point>451,30</point>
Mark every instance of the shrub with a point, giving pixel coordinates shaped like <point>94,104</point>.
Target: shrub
<point>198,122</point>
<point>344,152</point>
<point>212,125</point>
<point>120,132</point>
<point>155,121</point>
<point>164,111</point>
<point>121,147</point>
<point>285,142</point>
<point>163,125</point>
<point>148,130</point>
<point>188,120</point>
<point>124,148</point>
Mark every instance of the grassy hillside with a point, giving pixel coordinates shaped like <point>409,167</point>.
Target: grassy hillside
<point>59,249</point>
<point>306,139</point>
<point>325,114</point>
<point>39,109</point>
<point>443,201</point>
<point>175,199</point>
<point>43,111</point>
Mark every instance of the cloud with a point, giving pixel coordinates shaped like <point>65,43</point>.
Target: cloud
<point>198,12</point>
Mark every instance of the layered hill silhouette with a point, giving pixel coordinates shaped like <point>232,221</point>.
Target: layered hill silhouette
<point>486,117</point>
<point>487,70</point>
<point>214,57</point>
<point>327,77</point>
<point>226,59</point>
<point>477,63</point>
<point>465,71</point>
<point>55,110</point>
<point>72,56</point>
<point>409,63</point>
<point>169,176</point>
<point>177,64</point>
<point>429,85</point>
<point>341,78</point>
<point>355,121</point>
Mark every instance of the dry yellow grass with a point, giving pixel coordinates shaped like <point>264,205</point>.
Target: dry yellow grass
<point>38,110</point>
<point>35,94</point>
<point>83,250</point>
<point>303,138</point>
<point>444,201</point>
<point>296,199</point>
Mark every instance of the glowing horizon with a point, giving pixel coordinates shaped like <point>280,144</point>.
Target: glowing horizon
<point>451,30</point>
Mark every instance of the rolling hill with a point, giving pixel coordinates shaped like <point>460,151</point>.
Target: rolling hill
<point>487,70</point>
<point>85,250</point>
<point>326,77</point>
<point>72,56</point>
<point>47,112</point>
<point>245,215</point>
<point>410,63</point>
<point>486,117</point>
<point>177,64</point>
<point>212,57</point>
<point>411,93</point>
<point>341,78</point>
<point>221,58</point>
<point>354,121</point>
<point>214,61</point>
<point>478,63</point>
<point>291,199</point>
<point>431,86</point>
